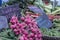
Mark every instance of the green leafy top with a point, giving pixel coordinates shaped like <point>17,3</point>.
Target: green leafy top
<point>7,34</point>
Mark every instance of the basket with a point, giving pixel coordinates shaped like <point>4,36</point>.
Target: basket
<point>50,38</point>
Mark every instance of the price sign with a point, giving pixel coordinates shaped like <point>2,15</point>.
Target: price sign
<point>10,11</point>
<point>3,22</point>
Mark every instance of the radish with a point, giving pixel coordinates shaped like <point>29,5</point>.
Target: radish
<point>17,33</point>
<point>21,38</point>
<point>13,26</point>
<point>15,30</point>
<point>22,18</point>
<point>30,39</point>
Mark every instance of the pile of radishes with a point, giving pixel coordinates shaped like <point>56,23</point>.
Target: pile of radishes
<point>27,29</point>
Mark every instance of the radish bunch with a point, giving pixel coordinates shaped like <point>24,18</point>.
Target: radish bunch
<point>27,29</point>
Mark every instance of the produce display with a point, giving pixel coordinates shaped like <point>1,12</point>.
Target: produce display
<point>54,31</point>
<point>26,27</point>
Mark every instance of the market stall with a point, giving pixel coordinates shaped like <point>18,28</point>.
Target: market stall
<point>29,20</point>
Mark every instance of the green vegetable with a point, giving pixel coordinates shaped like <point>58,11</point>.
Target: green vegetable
<point>7,34</point>
<point>54,30</point>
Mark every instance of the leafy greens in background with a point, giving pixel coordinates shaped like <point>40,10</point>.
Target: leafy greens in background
<point>54,31</point>
<point>47,8</point>
<point>7,34</point>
